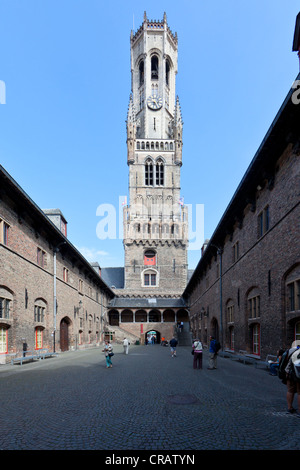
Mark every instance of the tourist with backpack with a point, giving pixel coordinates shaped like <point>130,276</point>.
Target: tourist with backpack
<point>292,371</point>
<point>214,347</point>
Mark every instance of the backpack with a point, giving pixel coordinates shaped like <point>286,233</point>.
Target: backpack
<point>295,366</point>
<point>217,346</point>
<point>282,365</point>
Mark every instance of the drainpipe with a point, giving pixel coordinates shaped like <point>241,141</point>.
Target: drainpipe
<point>55,250</point>
<point>220,251</point>
<point>54,297</point>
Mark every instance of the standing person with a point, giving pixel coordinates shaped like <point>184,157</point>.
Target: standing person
<point>275,364</point>
<point>212,353</point>
<point>197,347</point>
<point>126,345</point>
<point>107,351</point>
<point>173,344</point>
<point>293,385</point>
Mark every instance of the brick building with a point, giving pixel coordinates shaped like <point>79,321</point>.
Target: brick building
<point>245,289</point>
<point>50,296</point>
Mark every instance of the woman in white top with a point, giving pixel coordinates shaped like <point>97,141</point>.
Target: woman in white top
<point>197,347</point>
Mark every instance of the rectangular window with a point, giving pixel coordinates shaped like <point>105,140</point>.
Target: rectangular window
<point>254,307</point>
<point>80,287</point>
<point>4,308</point>
<point>263,222</point>
<point>293,292</point>
<point>4,228</point>
<point>3,340</point>
<point>235,250</point>
<point>65,274</point>
<point>41,257</point>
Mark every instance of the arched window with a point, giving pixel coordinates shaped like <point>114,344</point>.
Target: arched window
<point>154,67</point>
<point>149,172</point>
<point>159,172</point>
<point>141,73</point>
<point>167,72</point>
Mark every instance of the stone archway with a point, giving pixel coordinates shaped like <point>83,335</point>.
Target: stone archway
<point>152,334</point>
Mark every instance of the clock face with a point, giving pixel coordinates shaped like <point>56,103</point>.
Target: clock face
<point>154,102</point>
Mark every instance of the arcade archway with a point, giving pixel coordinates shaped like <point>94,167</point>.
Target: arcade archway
<point>152,337</point>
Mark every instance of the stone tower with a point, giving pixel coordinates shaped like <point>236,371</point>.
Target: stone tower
<point>155,220</point>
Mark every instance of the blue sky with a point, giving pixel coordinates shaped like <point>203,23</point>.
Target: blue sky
<point>66,69</point>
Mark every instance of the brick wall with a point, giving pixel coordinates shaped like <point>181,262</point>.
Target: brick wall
<point>264,266</point>
<point>26,285</point>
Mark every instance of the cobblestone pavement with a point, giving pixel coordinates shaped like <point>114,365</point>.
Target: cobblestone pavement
<point>146,401</point>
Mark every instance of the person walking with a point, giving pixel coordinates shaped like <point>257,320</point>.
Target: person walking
<point>197,348</point>
<point>173,344</point>
<point>108,351</point>
<point>293,385</point>
<point>212,354</point>
<point>126,345</point>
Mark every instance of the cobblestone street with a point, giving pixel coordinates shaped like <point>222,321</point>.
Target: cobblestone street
<point>147,401</point>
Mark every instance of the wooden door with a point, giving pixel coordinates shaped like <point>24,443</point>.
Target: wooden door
<point>64,335</point>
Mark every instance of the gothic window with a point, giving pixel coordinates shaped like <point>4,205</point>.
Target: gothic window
<point>154,67</point>
<point>159,172</point>
<point>149,172</point>
<point>167,72</point>
<point>141,73</point>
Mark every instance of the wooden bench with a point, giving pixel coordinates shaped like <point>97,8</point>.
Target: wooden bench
<point>27,356</point>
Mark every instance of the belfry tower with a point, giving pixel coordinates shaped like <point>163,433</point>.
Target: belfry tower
<point>155,220</point>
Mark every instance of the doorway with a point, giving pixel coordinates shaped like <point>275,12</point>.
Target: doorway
<point>152,337</point>
<point>64,335</point>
